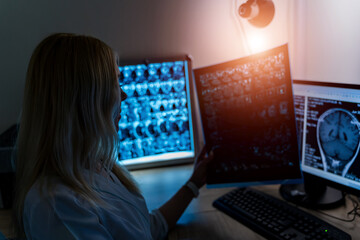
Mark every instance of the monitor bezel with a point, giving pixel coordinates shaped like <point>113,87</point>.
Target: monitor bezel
<point>321,180</point>
<point>195,126</point>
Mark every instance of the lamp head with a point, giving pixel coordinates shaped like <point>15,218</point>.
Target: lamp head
<point>259,13</point>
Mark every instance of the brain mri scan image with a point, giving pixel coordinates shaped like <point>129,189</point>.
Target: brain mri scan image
<point>338,139</point>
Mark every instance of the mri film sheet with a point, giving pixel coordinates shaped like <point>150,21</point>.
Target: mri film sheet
<point>247,111</point>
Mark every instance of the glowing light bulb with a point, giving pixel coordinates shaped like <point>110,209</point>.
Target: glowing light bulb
<point>257,42</point>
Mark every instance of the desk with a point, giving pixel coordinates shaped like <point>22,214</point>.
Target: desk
<point>201,220</point>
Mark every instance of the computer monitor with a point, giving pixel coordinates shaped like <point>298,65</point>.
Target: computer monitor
<point>248,118</point>
<point>157,123</point>
<point>328,116</point>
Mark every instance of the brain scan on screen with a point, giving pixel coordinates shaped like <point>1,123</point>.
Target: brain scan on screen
<point>338,138</point>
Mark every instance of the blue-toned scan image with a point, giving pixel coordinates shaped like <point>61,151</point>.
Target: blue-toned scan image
<point>332,137</point>
<point>156,116</point>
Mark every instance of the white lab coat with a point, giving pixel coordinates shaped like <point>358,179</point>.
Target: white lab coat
<point>69,216</point>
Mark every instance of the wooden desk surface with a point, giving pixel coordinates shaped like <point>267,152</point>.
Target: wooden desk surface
<point>201,220</point>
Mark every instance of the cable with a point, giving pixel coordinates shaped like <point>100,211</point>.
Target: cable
<point>355,211</point>
<point>241,29</point>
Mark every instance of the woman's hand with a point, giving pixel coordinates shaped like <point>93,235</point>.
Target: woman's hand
<point>173,208</point>
<point>199,174</point>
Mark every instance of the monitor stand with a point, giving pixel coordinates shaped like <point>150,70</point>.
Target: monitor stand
<point>312,194</point>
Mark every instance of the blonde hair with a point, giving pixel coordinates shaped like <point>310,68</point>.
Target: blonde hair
<point>67,123</point>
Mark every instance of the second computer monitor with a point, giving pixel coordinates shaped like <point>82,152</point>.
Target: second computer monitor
<point>328,118</point>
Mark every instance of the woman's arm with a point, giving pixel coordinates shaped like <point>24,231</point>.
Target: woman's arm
<point>174,208</point>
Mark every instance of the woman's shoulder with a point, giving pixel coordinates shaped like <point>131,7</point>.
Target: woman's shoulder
<point>44,196</point>
<point>52,195</point>
<point>61,206</point>
<point>60,213</point>
<point>53,192</point>
<point>47,187</point>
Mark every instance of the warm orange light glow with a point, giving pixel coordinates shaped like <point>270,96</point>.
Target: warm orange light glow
<point>257,42</point>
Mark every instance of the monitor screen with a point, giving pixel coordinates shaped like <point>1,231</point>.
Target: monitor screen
<point>248,119</point>
<point>156,123</point>
<point>328,116</point>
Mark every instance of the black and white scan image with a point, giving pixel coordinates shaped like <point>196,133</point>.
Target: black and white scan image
<point>335,126</point>
<point>247,111</point>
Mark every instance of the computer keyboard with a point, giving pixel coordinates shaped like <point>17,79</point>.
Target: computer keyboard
<point>273,218</point>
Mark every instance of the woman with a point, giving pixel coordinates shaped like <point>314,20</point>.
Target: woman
<point>68,185</point>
